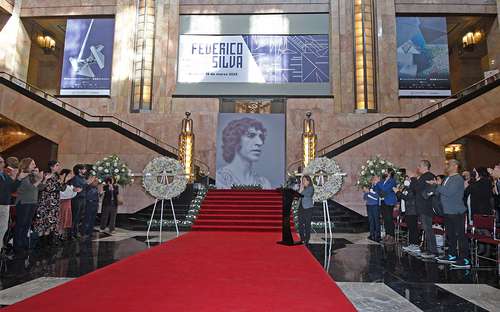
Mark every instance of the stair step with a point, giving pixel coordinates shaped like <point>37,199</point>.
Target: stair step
<point>255,223</point>
<point>236,228</point>
<point>240,211</point>
<point>247,195</point>
<point>244,198</point>
<point>203,216</point>
<point>240,205</point>
<point>244,192</point>
<point>241,202</point>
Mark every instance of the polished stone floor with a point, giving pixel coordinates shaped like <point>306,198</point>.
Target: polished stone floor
<point>25,275</point>
<point>373,277</point>
<point>380,278</point>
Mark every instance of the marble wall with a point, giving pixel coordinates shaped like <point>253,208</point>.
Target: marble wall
<point>7,5</point>
<point>78,144</point>
<point>446,6</point>
<point>334,116</point>
<point>14,55</point>
<point>406,147</point>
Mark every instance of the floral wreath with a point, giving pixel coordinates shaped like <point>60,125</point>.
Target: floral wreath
<point>331,176</point>
<point>167,168</point>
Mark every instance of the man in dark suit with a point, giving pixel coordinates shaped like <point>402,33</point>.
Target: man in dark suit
<point>424,208</point>
<point>7,187</point>
<point>78,202</point>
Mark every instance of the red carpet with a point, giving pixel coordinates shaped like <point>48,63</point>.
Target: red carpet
<point>248,211</point>
<point>202,271</point>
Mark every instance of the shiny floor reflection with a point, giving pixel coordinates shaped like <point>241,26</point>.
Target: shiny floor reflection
<point>357,263</point>
<point>71,259</point>
<point>374,277</point>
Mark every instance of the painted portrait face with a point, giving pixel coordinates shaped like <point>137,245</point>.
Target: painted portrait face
<point>251,144</point>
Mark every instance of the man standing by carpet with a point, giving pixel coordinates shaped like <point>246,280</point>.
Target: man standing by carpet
<point>78,202</point>
<point>451,194</point>
<point>7,186</point>
<point>424,207</point>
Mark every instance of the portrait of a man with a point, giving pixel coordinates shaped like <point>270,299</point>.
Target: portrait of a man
<point>250,150</point>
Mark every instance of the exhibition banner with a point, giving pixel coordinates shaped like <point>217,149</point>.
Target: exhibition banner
<point>250,150</point>
<point>253,59</point>
<point>422,52</point>
<point>88,53</point>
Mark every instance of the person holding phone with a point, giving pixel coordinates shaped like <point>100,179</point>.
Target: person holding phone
<point>79,201</point>
<point>91,207</point>
<point>385,189</point>
<point>30,180</point>
<point>109,204</point>
<point>373,209</point>
<point>305,211</point>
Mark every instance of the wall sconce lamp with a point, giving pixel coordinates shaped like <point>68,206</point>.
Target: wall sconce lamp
<point>46,43</point>
<point>472,38</point>
<point>186,147</point>
<point>309,140</point>
<point>451,150</point>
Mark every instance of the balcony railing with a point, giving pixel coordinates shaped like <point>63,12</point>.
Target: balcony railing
<point>404,119</point>
<point>203,167</point>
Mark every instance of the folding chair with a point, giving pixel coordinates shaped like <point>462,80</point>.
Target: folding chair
<point>437,220</point>
<point>399,223</point>
<point>488,223</point>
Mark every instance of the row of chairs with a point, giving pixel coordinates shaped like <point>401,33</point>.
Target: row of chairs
<point>482,230</point>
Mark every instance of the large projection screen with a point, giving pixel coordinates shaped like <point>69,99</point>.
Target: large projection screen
<point>422,53</point>
<point>272,54</point>
<point>88,55</point>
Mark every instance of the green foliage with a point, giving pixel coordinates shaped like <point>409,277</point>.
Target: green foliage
<point>375,166</point>
<point>112,166</point>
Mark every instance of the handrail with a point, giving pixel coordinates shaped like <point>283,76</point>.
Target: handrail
<point>424,112</point>
<point>105,118</point>
<point>419,114</point>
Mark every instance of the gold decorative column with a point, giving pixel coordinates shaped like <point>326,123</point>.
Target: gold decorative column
<point>142,81</point>
<point>186,147</point>
<point>364,62</point>
<point>309,139</point>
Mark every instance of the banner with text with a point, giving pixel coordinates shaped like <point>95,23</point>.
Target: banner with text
<point>422,51</point>
<point>253,59</point>
<point>88,52</point>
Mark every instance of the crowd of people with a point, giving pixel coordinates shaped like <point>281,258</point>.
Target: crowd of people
<point>46,208</point>
<point>455,197</point>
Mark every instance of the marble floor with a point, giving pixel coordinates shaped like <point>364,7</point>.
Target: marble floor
<point>382,278</point>
<point>373,277</point>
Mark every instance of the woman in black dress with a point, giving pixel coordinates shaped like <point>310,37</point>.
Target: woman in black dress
<point>46,220</point>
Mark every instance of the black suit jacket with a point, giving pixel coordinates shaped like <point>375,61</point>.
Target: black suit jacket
<point>423,205</point>
<point>110,197</point>
<point>7,187</point>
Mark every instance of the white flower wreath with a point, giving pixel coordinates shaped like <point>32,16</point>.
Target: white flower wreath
<point>167,168</point>
<point>332,178</point>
